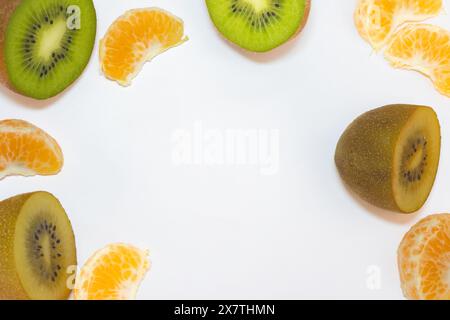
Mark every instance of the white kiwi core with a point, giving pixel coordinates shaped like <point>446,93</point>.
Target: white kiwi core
<point>258,5</point>
<point>50,39</point>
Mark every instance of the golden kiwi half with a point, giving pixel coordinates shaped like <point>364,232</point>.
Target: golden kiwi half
<point>389,156</point>
<point>37,248</point>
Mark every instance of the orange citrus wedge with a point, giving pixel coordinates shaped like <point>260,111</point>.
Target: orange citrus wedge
<point>135,38</point>
<point>377,20</point>
<point>424,259</point>
<point>112,273</point>
<point>423,48</point>
<point>27,150</point>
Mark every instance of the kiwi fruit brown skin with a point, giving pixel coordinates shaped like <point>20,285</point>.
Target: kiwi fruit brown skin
<point>14,269</point>
<point>259,49</point>
<point>367,156</point>
<point>7,7</point>
<point>10,284</point>
<point>22,69</point>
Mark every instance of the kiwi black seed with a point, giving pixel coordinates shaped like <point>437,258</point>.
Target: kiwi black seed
<point>256,25</point>
<point>36,34</point>
<point>415,150</point>
<point>47,264</point>
<point>37,249</point>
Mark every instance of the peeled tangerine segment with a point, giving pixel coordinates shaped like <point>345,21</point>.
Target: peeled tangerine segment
<point>27,150</point>
<point>136,37</point>
<point>377,20</point>
<point>389,156</point>
<point>37,248</point>
<point>112,273</point>
<point>423,48</point>
<point>424,259</point>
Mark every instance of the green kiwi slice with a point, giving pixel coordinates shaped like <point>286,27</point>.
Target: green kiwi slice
<point>259,25</point>
<point>47,45</point>
<point>389,156</point>
<point>37,248</point>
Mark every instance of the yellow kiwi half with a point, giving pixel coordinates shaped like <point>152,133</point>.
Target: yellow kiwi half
<point>37,248</point>
<point>390,156</point>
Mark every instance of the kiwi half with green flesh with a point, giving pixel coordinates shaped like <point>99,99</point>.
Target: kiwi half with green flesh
<point>45,45</point>
<point>259,25</point>
<point>390,156</point>
<point>37,246</point>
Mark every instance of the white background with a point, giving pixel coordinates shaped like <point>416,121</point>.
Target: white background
<point>229,231</point>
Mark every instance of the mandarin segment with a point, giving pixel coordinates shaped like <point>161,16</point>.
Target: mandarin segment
<point>136,37</point>
<point>112,273</point>
<point>374,20</point>
<point>423,48</point>
<point>424,259</point>
<point>377,20</point>
<point>27,150</point>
